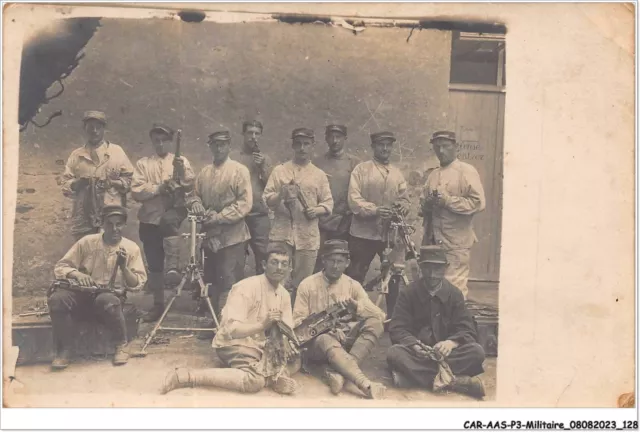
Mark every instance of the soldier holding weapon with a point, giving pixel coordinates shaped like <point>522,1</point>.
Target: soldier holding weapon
<point>96,261</point>
<point>160,183</point>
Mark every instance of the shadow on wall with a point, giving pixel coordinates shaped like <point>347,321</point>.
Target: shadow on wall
<point>210,76</point>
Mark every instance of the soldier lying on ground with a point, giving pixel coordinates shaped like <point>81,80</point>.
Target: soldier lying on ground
<point>430,319</point>
<point>253,306</point>
<point>92,261</point>
<point>341,351</point>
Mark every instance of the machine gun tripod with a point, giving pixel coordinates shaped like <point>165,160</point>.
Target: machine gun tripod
<point>192,274</point>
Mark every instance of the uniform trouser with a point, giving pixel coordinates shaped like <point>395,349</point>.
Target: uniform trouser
<point>259,227</point>
<point>223,269</point>
<point>464,360</point>
<point>152,243</point>
<point>65,306</point>
<point>302,264</point>
<point>363,337</point>
<point>324,236</point>
<point>458,269</point>
<point>363,251</point>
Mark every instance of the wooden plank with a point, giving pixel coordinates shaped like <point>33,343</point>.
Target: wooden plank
<point>479,130</point>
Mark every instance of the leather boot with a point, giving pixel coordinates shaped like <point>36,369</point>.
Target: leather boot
<point>156,282</point>
<point>121,356</point>
<point>472,386</point>
<point>347,366</point>
<point>334,380</point>
<point>284,385</point>
<point>174,258</point>
<point>62,325</point>
<point>226,378</point>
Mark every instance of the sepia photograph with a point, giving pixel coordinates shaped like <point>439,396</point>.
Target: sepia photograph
<point>294,207</point>
<point>225,208</point>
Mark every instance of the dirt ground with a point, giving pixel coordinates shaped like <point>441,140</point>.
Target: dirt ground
<point>89,381</point>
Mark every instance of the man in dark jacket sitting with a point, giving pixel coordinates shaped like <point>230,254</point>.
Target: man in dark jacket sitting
<point>430,320</point>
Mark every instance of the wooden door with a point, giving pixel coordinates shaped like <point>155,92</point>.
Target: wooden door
<point>478,116</point>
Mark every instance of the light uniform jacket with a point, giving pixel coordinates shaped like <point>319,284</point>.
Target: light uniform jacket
<point>86,213</point>
<point>374,185</point>
<point>92,256</point>
<point>316,294</point>
<point>460,184</point>
<point>149,174</point>
<point>225,190</point>
<point>249,302</point>
<point>293,227</point>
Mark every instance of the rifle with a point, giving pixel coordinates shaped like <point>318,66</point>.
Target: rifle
<point>74,285</point>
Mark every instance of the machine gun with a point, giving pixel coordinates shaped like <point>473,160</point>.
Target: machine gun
<point>401,228</point>
<point>319,323</point>
<point>176,189</point>
<point>74,285</point>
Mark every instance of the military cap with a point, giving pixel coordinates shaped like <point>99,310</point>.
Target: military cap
<point>335,246</point>
<point>220,136</point>
<point>97,115</point>
<point>378,136</point>
<point>251,123</point>
<point>337,128</point>
<point>111,210</point>
<point>161,128</point>
<point>302,132</point>
<point>444,135</point>
<point>433,254</point>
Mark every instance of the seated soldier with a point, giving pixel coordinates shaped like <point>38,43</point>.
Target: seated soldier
<point>253,306</point>
<point>431,314</point>
<point>342,350</point>
<point>92,261</point>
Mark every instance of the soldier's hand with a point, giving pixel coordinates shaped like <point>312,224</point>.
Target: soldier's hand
<point>272,316</point>
<point>384,212</point>
<point>163,189</point>
<point>82,278</point>
<point>121,260</point>
<point>445,347</point>
<point>198,209</point>
<point>258,158</point>
<point>339,335</point>
<point>417,348</point>
<point>311,213</point>
<point>179,161</point>
<point>113,174</point>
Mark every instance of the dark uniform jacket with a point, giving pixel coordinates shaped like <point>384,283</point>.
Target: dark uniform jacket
<point>419,315</point>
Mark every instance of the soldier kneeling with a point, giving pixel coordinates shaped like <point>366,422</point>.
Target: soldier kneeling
<point>341,351</point>
<point>244,341</point>
<point>92,262</point>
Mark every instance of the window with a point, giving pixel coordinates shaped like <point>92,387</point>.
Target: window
<point>478,58</point>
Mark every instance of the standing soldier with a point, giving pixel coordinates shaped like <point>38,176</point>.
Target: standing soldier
<point>160,215</point>
<point>338,165</point>
<point>452,195</point>
<point>375,187</point>
<point>298,192</point>
<point>97,174</point>
<point>222,194</point>
<point>260,167</point>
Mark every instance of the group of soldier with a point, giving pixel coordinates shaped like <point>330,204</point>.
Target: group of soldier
<point>314,227</point>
